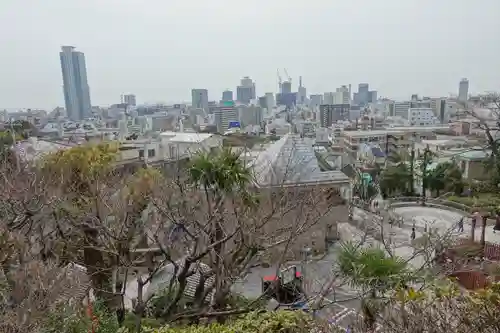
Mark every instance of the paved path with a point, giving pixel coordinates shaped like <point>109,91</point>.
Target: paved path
<point>444,221</point>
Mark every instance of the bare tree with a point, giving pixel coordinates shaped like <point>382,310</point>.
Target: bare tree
<point>206,231</point>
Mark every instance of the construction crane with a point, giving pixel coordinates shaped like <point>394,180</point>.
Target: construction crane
<point>279,79</point>
<point>288,76</point>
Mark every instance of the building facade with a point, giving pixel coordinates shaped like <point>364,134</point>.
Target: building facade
<point>199,99</point>
<point>129,99</point>
<point>315,100</point>
<point>75,85</point>
<point>342,96</point>
<point>245,92</point>
<point>421,117</point>
<point>463,90</point>
<point>331,113</point>
<point>250,115</point>
<point>225,114</point>
<point>364,95</point>
<point>227,96</point>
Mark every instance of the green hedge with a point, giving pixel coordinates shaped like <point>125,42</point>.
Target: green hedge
<point>253,322</point>
<point>489,202</point>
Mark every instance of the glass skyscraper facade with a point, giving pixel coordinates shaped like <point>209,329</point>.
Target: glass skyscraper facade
<point>75,85</point>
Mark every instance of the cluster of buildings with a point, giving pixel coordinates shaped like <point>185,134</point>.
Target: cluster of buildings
<point>338,128</point>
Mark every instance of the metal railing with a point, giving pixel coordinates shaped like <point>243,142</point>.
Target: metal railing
<point>430,202</point>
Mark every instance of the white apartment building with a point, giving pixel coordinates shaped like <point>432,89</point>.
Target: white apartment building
<point>342,96</point>
<point>224,115</point>
<point>421,117</point>
<point>401,109</point>
<point>402,136</point>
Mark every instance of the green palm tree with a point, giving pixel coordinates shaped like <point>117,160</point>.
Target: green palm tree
<point>394,179</point>
<point>445,177</point>
<point>374,272</point>
<point>220,171</point>
<point>220,175</point>
<point>397,157</point>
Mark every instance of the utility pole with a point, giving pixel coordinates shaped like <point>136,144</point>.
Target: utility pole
<point>412,163</point>
<point>306,253</point>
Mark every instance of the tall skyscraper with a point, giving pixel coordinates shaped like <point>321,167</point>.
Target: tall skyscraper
<point>199,99</point>
<point>463,90</point>
<point>75,85</point>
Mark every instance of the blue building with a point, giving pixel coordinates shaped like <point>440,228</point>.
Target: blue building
<point>75,85</point>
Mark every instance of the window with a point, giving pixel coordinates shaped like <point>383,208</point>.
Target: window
<point>151,153</point>
<point>141,153</point>
<point>172,151</point>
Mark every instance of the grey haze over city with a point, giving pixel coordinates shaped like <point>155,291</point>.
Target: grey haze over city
<point>160,49</point>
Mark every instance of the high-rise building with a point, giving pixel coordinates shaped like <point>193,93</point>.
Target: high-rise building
<point>301,93</point>
<point>245,92</point>
<point>315,100</point>
<point>329,98</point>
<point>463,90</point>
<point>330,114</point>
<point>129,99</point>
<point>286,87</point>
<point>270,102</point>
<point>364,95</point>
<point>199,99</point>
<point>75,85</point>
<point>224,114</point>
<point>342,96</point>
<point>227,96</point>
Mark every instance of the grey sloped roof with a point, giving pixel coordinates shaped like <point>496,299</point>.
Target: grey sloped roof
<point>291,160</point>
<point>161,279</point>
<point>377,152</point>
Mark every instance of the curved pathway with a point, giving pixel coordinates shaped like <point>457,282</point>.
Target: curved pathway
<point>443,220</point>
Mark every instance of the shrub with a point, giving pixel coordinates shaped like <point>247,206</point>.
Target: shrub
<point>253,322</point>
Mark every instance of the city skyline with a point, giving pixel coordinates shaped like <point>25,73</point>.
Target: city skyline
<point>398,48</point>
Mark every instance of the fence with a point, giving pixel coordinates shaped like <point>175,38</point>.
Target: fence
<point>431,202</point>
<point>491,250</point>
<point>471,280</point>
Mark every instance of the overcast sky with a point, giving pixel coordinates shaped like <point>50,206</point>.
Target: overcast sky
<point>160,49</point>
